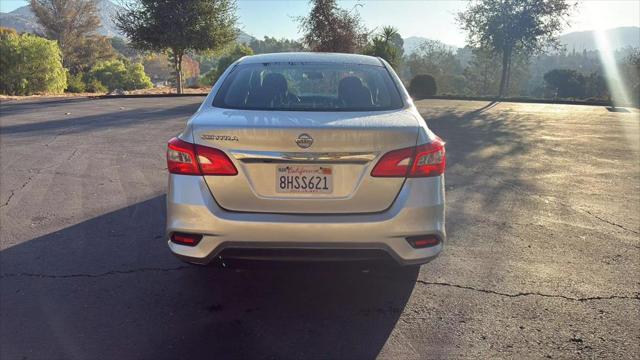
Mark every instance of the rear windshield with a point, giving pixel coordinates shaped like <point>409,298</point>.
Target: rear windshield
<point>309,87</point>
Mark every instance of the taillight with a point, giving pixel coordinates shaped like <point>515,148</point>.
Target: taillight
<point>429,160</point>
<point>419,161</point>
<point>181,158</point>
<point>214,162</point>
<point>190,159</point>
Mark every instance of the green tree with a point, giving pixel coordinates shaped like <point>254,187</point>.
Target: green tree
<point>595,86</point>
<point>157,66</point>
<point>89,51</point>
<point>482,74</point>
<point>630,69</point>
<point>123,48</point>
<point>30,64</point>
<point>72,23</point>
<point>328,28</point>
<point>511,27</point>
<point>179,26</point>
<point>118,74</point>
<point>422,86</point>
<point>565,83</point>
<point>438,60</point>
<point>136,78</point>
<point>75,84</point>
<point>385,45</point>
<point>273,45</point>
<point>110,73</point>
<point>238,51</point>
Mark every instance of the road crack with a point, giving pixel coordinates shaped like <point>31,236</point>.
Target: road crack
<point>13,192</point>
<point>523,294</point>
<point>34,173</point>
<point>609,222</point>
<point>569,206</point>
<point>97,275</point>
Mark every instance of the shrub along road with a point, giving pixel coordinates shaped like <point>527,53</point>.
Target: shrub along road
<point>542,259</point>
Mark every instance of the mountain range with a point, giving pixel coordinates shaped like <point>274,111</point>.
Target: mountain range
<point>23,20</point>
<point>618,38</point>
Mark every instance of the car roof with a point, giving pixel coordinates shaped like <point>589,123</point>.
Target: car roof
<point>312,57</point>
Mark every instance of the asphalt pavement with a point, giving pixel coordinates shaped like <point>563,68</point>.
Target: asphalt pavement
<point>542,259</point>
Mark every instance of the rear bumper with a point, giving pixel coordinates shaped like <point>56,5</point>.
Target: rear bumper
<point>418,210</point>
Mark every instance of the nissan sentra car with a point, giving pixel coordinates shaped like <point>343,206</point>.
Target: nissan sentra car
<point>306,156</point>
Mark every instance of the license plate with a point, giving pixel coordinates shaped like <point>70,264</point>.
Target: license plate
<point>304,179</point>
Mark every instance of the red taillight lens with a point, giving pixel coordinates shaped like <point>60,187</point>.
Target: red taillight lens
<point>429,160</point>
<point>420,161</point>
<point>181,158</point>
<point>395,163</point>
<point>186,239</point>
<point>214,162</point>
<point>188,159</point>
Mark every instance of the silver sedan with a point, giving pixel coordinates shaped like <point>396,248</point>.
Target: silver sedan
<point>306,156</point>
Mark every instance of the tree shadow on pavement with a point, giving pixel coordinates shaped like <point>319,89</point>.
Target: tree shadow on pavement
<point>114,117</point>
<point>488,157</point>
<point>109,288</point>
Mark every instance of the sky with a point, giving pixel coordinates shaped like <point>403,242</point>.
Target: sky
<point>433,19</point>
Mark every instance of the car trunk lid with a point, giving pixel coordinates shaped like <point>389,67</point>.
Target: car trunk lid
<point>341,148</point>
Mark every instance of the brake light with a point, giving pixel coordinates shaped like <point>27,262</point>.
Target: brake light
<point>191,159</point>
<point>394,163</point>
<point>430,159</point>
<point>181,158</point>
<point>420,161</point>
<point>214,162</point>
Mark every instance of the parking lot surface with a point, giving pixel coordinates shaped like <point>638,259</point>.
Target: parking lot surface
<point>542,260</point>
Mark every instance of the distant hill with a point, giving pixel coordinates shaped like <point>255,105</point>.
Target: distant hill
<point>23,20</point>
<point>580,40</point>
<point>412,43</point>
<point>618,38</point>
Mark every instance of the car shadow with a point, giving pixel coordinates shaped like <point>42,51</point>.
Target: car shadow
<point>109,288</point>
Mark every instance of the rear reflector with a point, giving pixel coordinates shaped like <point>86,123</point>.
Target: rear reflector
<point>186,239</point>
<point>420,242</point>
<point>190,159</point>
<point>420,161</point>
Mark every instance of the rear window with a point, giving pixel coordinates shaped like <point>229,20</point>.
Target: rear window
<point>309,87</point>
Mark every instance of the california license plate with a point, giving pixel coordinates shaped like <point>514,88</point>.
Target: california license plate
<point>304,179</point>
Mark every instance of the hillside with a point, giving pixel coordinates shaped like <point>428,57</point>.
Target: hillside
<point>23,20</point>
<point>618,38</point>
<point>412,43</point>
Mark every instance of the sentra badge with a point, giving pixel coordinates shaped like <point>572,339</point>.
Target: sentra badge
<point>219,137</point>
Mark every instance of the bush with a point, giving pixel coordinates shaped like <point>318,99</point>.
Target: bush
<point>235,53</point>
<point>422,86</point>
<point>75,84</point>
<point>136,78</point>
<point>110,73</point>
<point>30,64</point>
<point>115,74</point>
<point>565,83</point>
<point>95,86</point>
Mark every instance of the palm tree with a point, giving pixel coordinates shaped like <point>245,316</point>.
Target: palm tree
<point>388,32</point>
